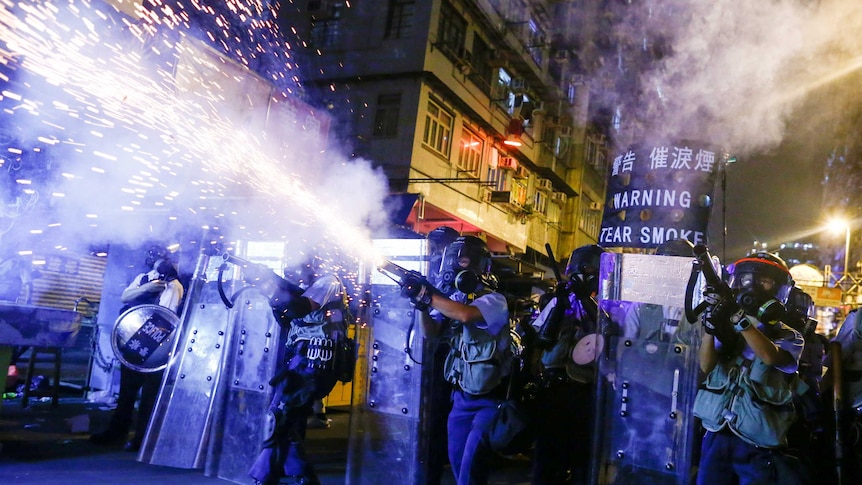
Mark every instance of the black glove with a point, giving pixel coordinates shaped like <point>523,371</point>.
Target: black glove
<point>717,318</point>
<point>562,293</point>
<point>418,290</point>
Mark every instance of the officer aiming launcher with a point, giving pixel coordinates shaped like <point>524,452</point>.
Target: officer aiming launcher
<point>411,283</point>
<point>719,288</point>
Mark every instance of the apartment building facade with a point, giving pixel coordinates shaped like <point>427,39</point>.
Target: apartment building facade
<point>478,112</point>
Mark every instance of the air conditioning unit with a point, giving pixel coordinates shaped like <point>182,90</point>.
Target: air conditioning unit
<point>544,185</point>
<point>559,197</point>
<point>507,163</point>
<point>595,206</point>
<point>521,172</point>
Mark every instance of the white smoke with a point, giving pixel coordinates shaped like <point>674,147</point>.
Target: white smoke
<point>134,143</point>
<point>734,72</point>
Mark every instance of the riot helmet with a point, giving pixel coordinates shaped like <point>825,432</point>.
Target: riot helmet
<point>438,239</point>
<point>466,264</point>
<point>675,247</point>
<point>760,280</point>
<point>304,272</point>
<point>441,237</point>
<point>583,266</point>
<point>800,309</point>
<point>585,260</point>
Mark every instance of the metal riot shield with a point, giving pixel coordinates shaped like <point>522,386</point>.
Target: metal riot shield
<point>255,346</point>
<point>178,428</point>
<point>215,391</point>
<point>648,372</point>
<point>388,423</point>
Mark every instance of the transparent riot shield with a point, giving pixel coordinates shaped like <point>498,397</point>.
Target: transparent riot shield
<point>388,426</point>
<point>648,372</point>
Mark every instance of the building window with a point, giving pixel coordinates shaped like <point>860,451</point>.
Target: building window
<point>470,156</point>
<point>590,220</point>
<point>386,116</point>
<point>595,155</point>
<point>519,193</point>
<point>481,62</point>
<point>540,203</point>
<point>438,129</point>
<point>553,214</point>
<point>326,25</point>
<point>452,30</point>
<point>536,43</point>
<point>399,23</point>
<point>498,179</point>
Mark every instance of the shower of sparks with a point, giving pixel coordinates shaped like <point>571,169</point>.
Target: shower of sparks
<point>148,120</point>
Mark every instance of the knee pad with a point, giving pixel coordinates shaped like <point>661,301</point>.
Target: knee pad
<point>273,426</point>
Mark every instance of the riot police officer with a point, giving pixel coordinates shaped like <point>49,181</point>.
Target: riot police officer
<point>567,329</point>
<point>479,358</point>
<point>316,319</point>
<point>750,358</point>
<point>159,285</point>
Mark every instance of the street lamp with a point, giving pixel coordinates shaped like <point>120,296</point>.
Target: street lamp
<point>843,224</point>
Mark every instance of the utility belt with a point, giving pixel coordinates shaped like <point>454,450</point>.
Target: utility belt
<point>318,352</point>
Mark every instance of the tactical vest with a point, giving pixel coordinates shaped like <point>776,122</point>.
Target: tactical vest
<point>560,355</point>
<point>327,322</point>
<point>477,362</point>
<point>753,399</point>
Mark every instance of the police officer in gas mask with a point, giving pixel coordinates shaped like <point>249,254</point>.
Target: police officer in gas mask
<point>479,358</point>
<point>158,285</point>
<point>313,308</point>
<point>750,357</point>
<point>567,329</point>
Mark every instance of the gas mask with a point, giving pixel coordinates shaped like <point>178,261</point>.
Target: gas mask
<point>154,253</point>
<point>459,279</point>
<point>755,295</point>
<point>464,267</point>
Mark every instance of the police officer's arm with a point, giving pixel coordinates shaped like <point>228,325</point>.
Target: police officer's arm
<point>764,348</point>
<point>135,290</point>
<point>449,309</point>
<point>707,353</point>
<point>455,310</point>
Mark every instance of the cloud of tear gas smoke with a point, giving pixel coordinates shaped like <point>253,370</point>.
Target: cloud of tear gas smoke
<point>733,72</point>
<point>119,130</point>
